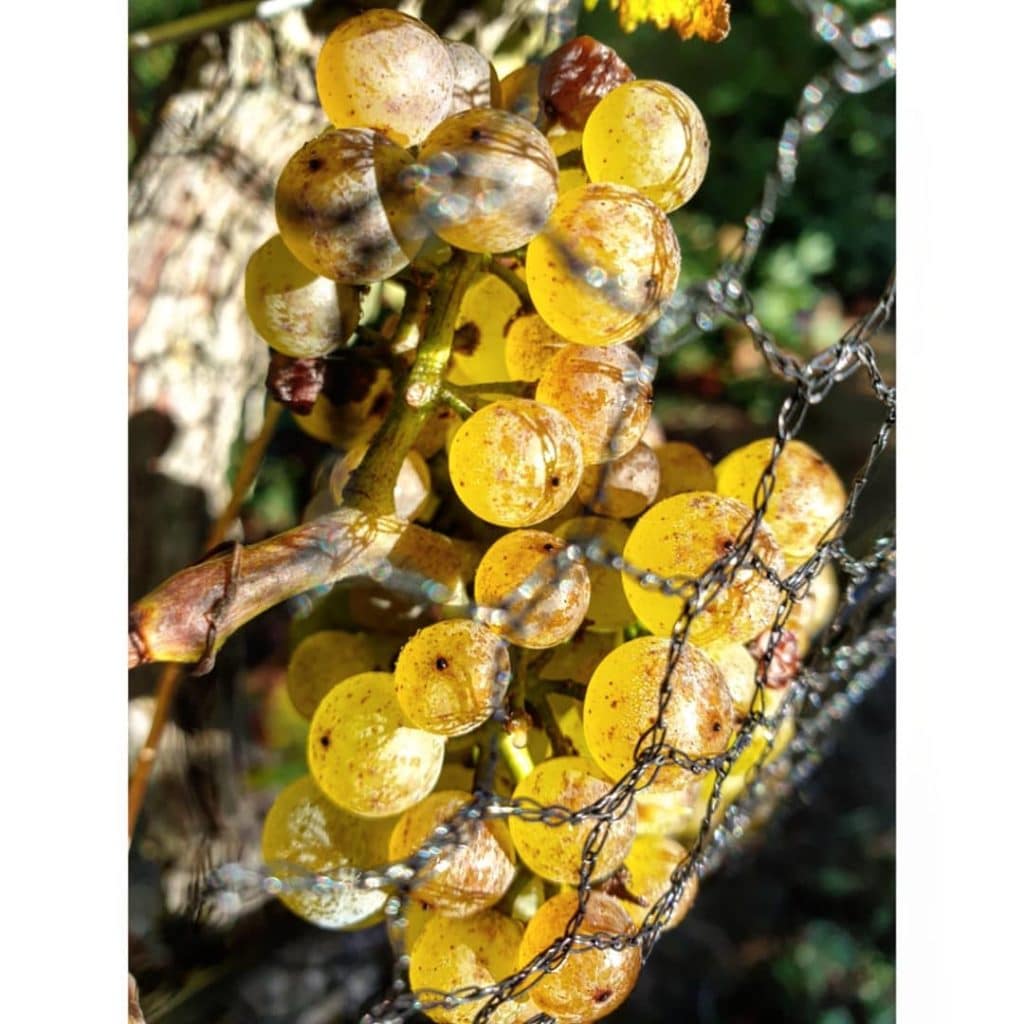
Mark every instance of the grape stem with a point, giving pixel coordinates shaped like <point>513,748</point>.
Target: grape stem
<point>455,403</point>
<point>470,392</point>
<point>508,276</point>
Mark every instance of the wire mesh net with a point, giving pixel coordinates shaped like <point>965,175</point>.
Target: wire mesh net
<point>850,656</point>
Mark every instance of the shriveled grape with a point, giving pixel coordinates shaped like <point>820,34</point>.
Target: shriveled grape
<point>574,78</point>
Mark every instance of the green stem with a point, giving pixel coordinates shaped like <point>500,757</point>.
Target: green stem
<point>518,759</point>
<point>512,279</point>
<point>469,392</point>
<point>217,18</point>
<point>371,487</point>
<point>455,403</point>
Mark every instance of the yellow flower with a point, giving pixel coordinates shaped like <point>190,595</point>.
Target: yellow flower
<point>708,19</point>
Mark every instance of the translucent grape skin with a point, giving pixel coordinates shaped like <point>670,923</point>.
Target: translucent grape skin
<point>556,606</point>
<point>574,77</point>
<point>529,346</point>
<point>604,267</point>
<point>476,82</point>
<point>491,180</point>
<point>364,755</point>
<point>680,538</point>
<point>554,852</point>
<point>650,863</point>
<point>622,702</point>
<point>807,499</point>
<point>388,71</point>
<point>590,984</point>
<point>452,676</point>
<point>342,209</point>
<point>605,392</point>
<point>295,311</point>
<point>624,487</point>
<point>683,468</point>
<point>323,660</point>
<point>464,879</point>
<point>476,951</point>
<point>608,609</point>
<point>515,462</point>
<point>305,834</point>
<point>660,121</point>
<point>518,91</point>
<point>488,309</point>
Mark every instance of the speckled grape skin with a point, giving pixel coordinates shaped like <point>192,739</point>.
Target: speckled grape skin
<point>624,487</point>
<point>465,879</point>
<point>680,538</point>
<point>660,121</point>
<point>586,985</point>
<point>476,81</point>
<point>515,462</point>
<point>604,267</point>
<point>478,349</point>
<point>807,498</point>
<point>343,210</point>
<point>608,609</point>
<point>492,182</point>
<point>683,468</point>
<point>605,392</point>
<point>622,700</point>
<point>307,832</point>
<point>472,951</point>
<point>529,346</point>
<point>554,852</point>
<point>650,864</point>
<point>554,611</point>
<point>294,310</point>
<point>364,755</point>
<point>451,676</point>
<point>388,71</point>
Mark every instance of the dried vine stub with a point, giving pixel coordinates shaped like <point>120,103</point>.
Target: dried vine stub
<point>573,79</point>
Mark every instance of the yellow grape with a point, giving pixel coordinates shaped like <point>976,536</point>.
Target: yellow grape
<point>529,346</point>
<point>605,392</point>
<point>415,917</point>
<point>323,660</point>
<point>813,612</point>
<point>563,141</point>
<point>351,407</point>
<point>650,863</point>
<point>463,879</point>
<point>683,468</point>
<point>554,851</point>
<point>739,668</point>
<point>604,267</point>
<point>623,697</point>
<point>304,833</point>
<point>659,121</point>
<point>452,676</point>
<point>476,81</point>
<point>294,310</point>
<point>624,487</point>
<point>488,310</point>
<point>672,813</point>
<point>679,539</point>
<point>654,435</point>
<point>570,178</point>
<point>388,71</point>
<point>576,659</point>
<point>588,984</point>
<point>364,755</point>
<point>807,499</point>
<point>560,592</point>
<point>488,180</point>
<point>518,92</point>
<point>515,462</point>
<point>453,953</point>
<point>343,210</point>
<point>436,430</point>
<point>609,609</point>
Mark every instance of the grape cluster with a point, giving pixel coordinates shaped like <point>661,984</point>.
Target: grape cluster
<point>565,534</point>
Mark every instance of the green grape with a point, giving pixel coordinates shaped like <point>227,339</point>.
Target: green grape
<point>518,93</point>
<point>388,71</point>
<point>304,833</point>
<point>650,863</point>
<point>658,120</point>
<point>515,462</point>
<point>293,310</point>
<point>529,346</point>
<point>605,392</point>
<point>343,210</point>
<point>609,609</point>
<point>557,603</point>
<point>491,180</point>
<point>554,851</point>
<point>463,879</point>
<point>586,985</point>
<point>807,499</point>
<point>364,755</point>
<point>454,953</point>
<point>683,468</point>
<point>679,539</point>
<point>604,267</point>
<point>488,310</point>
<point>327,658</point>
<point>624,487</point>
<point>452,676</point>
<point>476,81</point>
<point>623,698</point>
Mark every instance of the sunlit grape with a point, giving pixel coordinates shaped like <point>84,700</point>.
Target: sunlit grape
<point>608,609</point>
<point>624,487</point>
<point>683,468</point>
<point>650,863</point>
<point>488,311</point>
<point>476,81</point>
<point>529,346</point>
